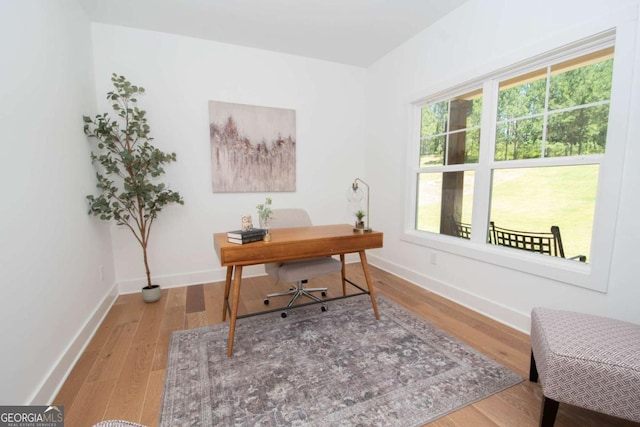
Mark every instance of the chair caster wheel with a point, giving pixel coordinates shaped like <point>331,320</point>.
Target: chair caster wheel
<point>323,308</point>
<point>266,302</point>
<point>323,293</point>
<point>283,315</point>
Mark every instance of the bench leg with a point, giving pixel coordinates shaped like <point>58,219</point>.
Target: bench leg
<point>549,411</point>
<point>533,371</point>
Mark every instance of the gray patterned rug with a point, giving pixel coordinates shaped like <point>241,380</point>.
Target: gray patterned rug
<point>339,367</point>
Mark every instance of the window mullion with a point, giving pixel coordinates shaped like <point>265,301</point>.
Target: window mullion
<point>592,159</point>
<point>446,139</point>
<point>482,191</point>
<point>413,165</point>
<point>545,117</point>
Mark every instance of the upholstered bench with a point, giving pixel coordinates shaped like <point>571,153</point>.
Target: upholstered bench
<point>587,361</point>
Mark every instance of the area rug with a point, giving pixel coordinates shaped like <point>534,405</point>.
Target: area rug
<point>339,367</point>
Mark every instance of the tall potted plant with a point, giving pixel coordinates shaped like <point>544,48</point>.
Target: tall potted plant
<point>130,193</point>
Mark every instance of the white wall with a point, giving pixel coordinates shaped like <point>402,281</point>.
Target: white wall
<point>181,75</point>
<point>475,39</point>
<point>51,295</point>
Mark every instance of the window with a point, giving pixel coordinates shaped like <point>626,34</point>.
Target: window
<point>449,151</point>
<point>528,157</point>
<point>558,111</point>
<point>551,132</point>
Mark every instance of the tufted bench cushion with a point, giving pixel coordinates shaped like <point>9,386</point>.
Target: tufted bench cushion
<point>588,361</point>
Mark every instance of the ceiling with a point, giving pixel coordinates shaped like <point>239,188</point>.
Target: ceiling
<point>355,32</point>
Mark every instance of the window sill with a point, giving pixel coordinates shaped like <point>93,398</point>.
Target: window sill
<point>558,269</point>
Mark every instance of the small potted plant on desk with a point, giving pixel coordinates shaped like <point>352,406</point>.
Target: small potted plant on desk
<point>359,222</point>
<point>264,213</point>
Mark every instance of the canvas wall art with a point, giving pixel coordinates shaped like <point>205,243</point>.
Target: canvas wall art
<point>253,148</point>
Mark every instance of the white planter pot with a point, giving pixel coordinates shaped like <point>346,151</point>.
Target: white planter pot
<point>152,294</point>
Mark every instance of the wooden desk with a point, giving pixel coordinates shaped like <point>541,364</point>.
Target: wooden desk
<point>289,244</point>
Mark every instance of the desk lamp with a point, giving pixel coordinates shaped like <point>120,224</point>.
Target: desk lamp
<point>355,194</point>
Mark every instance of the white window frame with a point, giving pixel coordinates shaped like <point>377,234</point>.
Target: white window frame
<point>593,275</point>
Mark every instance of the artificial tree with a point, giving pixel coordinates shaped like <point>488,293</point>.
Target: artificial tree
<point>130,167</point>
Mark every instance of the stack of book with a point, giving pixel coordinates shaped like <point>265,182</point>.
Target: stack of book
<point>240,237</point>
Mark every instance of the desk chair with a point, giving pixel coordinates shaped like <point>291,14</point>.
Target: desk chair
<point>298,271</point>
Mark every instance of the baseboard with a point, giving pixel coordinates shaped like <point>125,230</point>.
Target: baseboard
<point>194,278</point>
<point>132,286</point>
<point>50,387</point>
<point>505,315</point>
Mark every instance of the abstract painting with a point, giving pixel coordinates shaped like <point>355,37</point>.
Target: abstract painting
<point>253,148</point>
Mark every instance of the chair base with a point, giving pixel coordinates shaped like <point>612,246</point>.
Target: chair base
<point>297,292</point>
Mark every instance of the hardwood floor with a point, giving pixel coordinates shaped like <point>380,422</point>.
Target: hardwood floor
<point>121,373</point>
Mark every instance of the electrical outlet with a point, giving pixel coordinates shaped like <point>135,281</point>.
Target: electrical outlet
<point>433,258</point>
<point>101,272</point>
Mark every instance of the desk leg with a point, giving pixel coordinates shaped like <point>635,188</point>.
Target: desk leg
<point>344,279</point>
<point>367,276</point>
<point>227,286</point>
<point>237,279</point>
